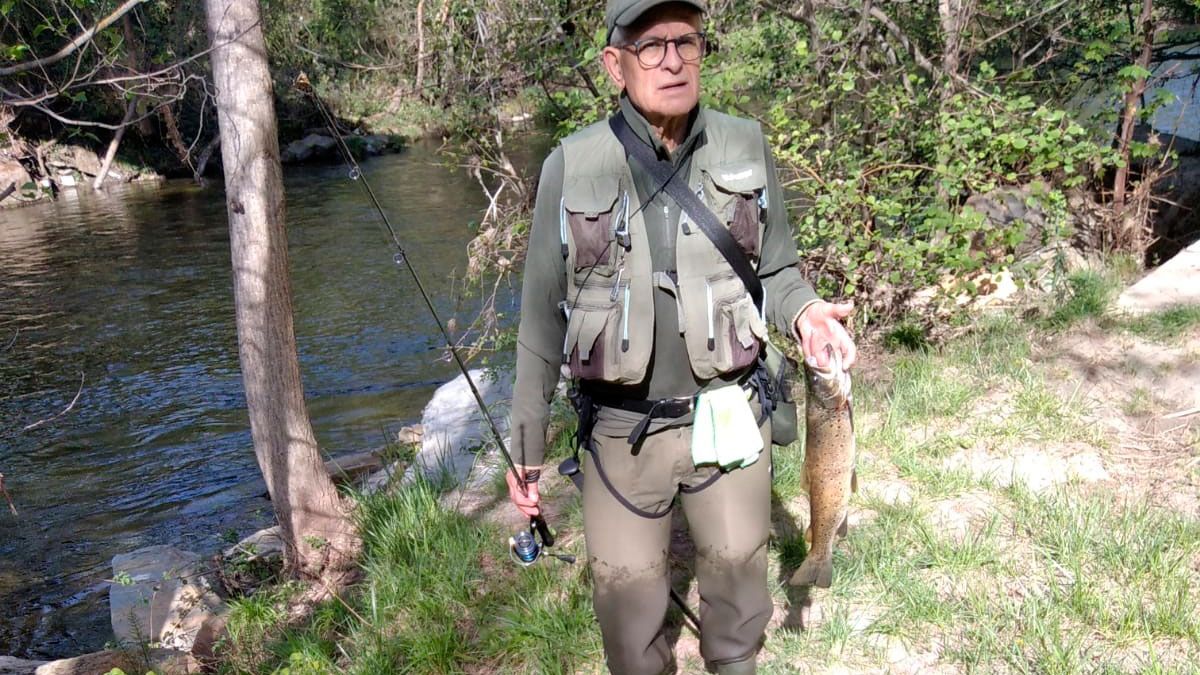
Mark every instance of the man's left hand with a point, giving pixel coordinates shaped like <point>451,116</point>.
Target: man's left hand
<point>820,325</point>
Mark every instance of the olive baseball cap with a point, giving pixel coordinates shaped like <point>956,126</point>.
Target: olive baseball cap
<point>625,12</point>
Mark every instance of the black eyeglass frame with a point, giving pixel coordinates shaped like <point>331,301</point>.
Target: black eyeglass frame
<point>637,45</point>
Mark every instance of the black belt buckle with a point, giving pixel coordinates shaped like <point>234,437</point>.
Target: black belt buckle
<point>673,407</point>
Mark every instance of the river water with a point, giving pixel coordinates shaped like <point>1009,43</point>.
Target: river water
<point>131,294</point>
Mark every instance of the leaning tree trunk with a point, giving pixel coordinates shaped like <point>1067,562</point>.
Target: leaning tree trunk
<point>1122,237</point>
<point>321,542</point>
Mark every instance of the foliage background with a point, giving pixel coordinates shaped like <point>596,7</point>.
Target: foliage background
<point>886,118</point>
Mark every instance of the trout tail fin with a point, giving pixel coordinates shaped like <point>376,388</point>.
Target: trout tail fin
<point>814,571</point>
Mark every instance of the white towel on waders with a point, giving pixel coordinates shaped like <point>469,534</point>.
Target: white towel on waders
<point>724,430</point>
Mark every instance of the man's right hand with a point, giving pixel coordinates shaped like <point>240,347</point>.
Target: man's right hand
<point>528,500</point>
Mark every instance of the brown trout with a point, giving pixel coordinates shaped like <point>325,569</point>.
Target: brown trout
<point>828,473</point>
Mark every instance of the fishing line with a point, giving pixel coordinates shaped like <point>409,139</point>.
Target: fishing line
<point>401,258</point>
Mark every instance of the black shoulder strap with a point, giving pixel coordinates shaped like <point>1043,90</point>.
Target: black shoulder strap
<point>665,175</point>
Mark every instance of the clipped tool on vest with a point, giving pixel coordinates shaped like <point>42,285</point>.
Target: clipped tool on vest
<point>524,546</point>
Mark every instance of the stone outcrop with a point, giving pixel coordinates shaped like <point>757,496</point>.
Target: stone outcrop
<point>350,467</point>
<point>1175,282</point>
<point>165,598</point>
<point>73,157</point>
<point>1005,205</point>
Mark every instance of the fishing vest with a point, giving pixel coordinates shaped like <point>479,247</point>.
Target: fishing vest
<point>610,278</point>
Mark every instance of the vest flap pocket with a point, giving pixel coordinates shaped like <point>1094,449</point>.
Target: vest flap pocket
<point>588,348</point>
<point>591,196</point>
<point>722,328</point>
<point>590,213</point>
<point>748,326</point>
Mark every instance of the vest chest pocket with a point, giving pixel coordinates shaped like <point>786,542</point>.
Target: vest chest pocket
<point>594,224</point>
<point>736,192</point>
<point>722,327</point>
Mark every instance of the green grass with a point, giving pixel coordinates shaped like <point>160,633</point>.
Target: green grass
<point>439,596</point>
<point>1167,325</point>
<point>1074,579</point>
<point>1086,294</point>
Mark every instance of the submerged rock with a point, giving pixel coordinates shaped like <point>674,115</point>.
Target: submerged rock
<point>11,665</point>
<point>160,596</point>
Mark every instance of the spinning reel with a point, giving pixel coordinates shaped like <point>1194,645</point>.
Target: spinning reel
<point>526,546</point>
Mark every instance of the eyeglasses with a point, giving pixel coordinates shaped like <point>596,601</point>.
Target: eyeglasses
<point>652,51</point>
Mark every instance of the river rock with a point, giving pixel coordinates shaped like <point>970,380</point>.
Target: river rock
<point>1005,205</point>
<point>13,175</point>
<point>161,661</point>
<point>350,467</point>
<point>376,144</point>
<point>410,435</point>
<point>309,147</point>
<point>11,665</point>
<point>266,543</point>
<point>74,157</point>
<point>168,600</point>
<point>455,429</point>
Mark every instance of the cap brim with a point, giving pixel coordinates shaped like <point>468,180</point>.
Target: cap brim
<point>637,9</point>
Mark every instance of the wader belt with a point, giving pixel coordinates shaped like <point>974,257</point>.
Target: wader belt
<point>663,408</point>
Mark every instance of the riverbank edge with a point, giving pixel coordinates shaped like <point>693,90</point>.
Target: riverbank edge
<point>55,166</point>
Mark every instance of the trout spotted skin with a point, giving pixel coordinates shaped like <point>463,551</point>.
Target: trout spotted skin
<point>828,472</point>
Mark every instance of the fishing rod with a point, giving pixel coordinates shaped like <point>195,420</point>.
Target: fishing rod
<point>524,548</point>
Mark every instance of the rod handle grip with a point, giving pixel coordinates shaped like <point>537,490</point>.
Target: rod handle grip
<point>543,529</point>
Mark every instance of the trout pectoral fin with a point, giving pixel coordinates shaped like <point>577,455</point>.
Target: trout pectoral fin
<point>808,535</point>
<point>854,480</point>
<point>844,528</point>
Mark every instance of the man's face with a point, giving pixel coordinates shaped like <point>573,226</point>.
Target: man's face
<point>672,88</point>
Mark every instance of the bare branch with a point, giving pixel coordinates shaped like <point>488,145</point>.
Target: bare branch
<point>7,497</point>
<point>64,411</point>
<point>352,66</point>
<point>80,40</point>
<point>1020,23</point>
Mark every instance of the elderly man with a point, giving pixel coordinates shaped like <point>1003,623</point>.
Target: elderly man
<point>624,288</point>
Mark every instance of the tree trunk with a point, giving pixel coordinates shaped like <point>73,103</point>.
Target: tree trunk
<point>1136,88</point>
<point>321,543</point>
<point>419,85</point>
<point>953,16</point>
<point>130,109</point>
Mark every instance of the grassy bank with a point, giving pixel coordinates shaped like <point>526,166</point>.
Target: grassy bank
<point>1027,505</point>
